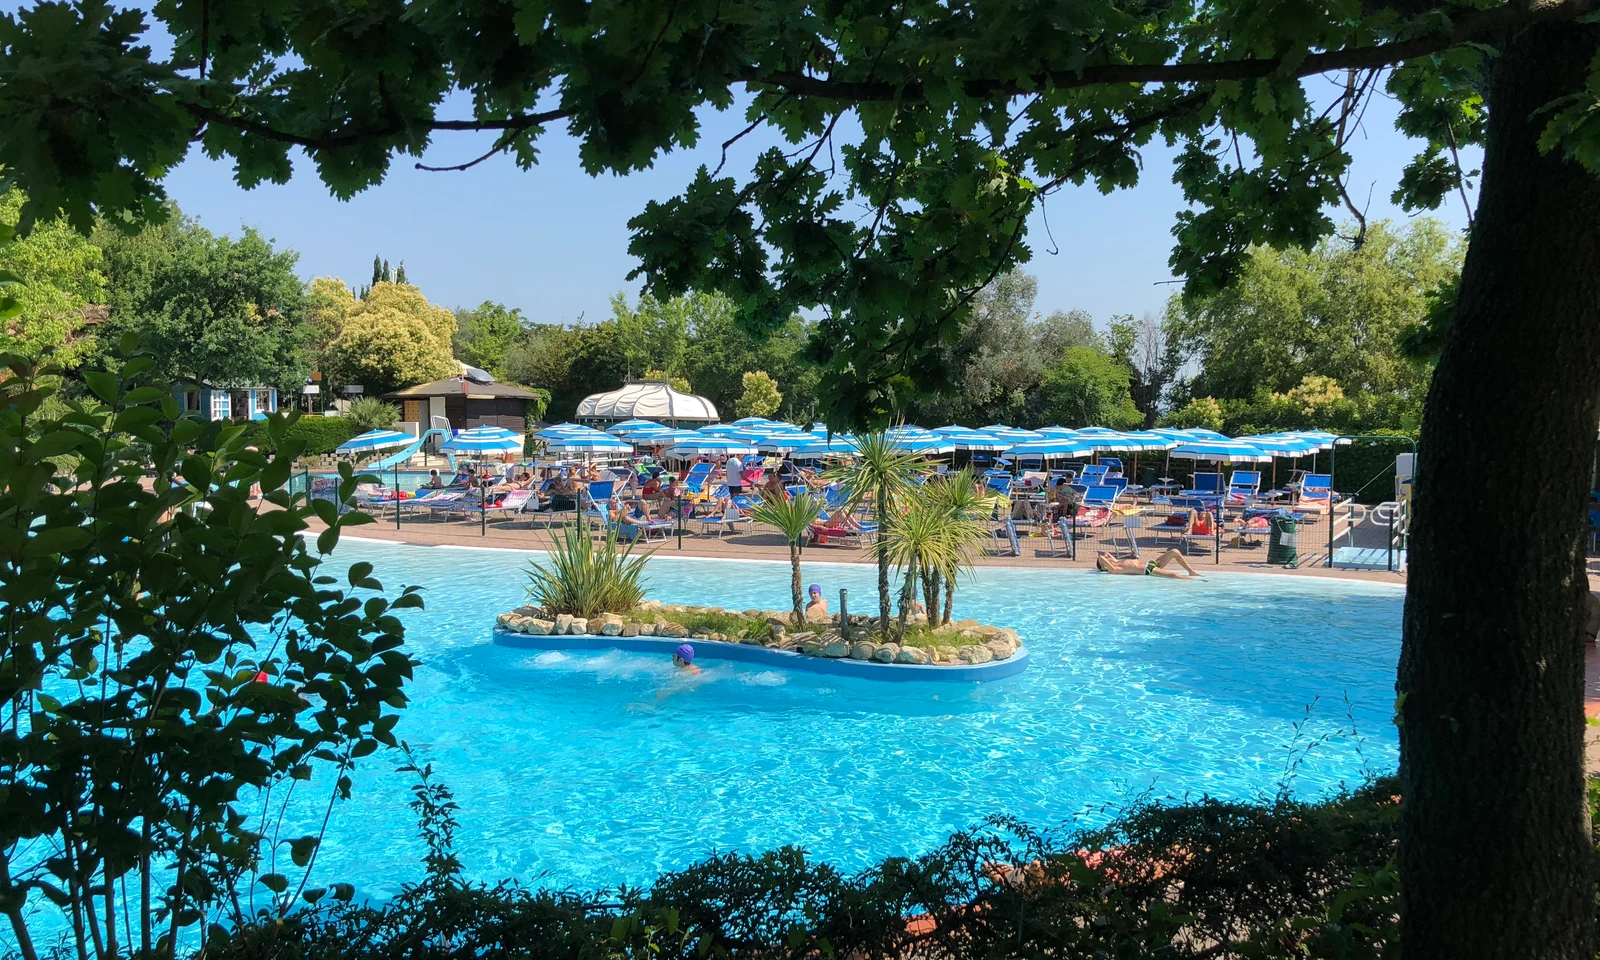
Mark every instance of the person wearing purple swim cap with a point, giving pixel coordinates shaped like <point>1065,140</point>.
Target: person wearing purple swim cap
<point>683,657</point>
<point>817,608</point>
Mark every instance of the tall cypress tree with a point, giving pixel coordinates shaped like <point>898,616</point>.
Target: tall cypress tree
<point>387,276</point>
<point>400,273</point>
<point>377,269</point>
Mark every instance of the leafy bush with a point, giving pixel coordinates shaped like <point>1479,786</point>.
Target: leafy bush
<point>370,413</point>
<point>320,435</point>
<point>586,577</point>
<point>708,622</point>
<point>167,667</point>
<point>1278,878</point>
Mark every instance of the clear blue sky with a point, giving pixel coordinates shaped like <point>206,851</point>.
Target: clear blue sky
<point>554,240</point>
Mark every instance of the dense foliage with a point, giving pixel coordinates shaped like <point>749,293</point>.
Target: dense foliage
<point>57,278</point>
<point>585,576</point>
<point>392,337</point>
<point>174,660</point>
<point>211,308</point>
<point>1206,879</point>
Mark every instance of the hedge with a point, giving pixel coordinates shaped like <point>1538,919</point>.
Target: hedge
<point>321,434</point>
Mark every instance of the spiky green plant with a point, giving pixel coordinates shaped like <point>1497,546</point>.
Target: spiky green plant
<point>965,502</point>
<point>935,538</point>
<point>883,470</point>
<point>792,516</point>
<point>586,577</point>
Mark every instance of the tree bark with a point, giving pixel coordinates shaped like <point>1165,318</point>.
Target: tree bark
<point>1495,852</point>
<point>796,593</point>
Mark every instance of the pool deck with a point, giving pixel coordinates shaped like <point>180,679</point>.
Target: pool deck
<point>771,546</point>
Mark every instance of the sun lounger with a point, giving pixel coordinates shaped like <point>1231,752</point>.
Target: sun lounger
<point>728,520</point>
<point>1243,486</point>
<point>1316,493</point>
<point>1205,485</point>
<point>506,505</point>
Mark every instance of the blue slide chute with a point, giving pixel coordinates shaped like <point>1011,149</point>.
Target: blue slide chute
<point>395,459</point>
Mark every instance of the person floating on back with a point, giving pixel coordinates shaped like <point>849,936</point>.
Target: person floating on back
<point>1146,568</point>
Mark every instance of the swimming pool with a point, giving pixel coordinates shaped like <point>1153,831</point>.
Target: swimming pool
<point>587,770</point>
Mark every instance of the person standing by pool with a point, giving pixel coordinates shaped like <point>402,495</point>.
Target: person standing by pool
<point>733,474</point>
<point>817,608</point>
<point>683,658</point>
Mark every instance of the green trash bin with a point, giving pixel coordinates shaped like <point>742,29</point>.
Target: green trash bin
<point>1282,547</point>
<point>1147,477</point>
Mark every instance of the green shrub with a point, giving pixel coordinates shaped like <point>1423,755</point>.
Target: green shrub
<point>1277,878</point>
<point>322,435</point>
<point>1366,467</point>
<point>585,577</point>
<point>708,622</point>
<point>370,413</point>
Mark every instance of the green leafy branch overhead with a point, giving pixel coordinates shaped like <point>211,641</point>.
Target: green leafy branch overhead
<point>964,118</point>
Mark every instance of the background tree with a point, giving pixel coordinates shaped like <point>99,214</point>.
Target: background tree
<point>208,307</point>
<point>57,275</point>
<point>1337,311</point>
<point>1087,387</point>
<point>486,332</point>
<point>570,362</point>
<point>393,338</point>
<point>760,397</point>
<point>1150,349</point>
<point>677,383</point>
<point>654,334</point>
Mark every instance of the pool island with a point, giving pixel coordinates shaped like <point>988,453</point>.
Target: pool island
<point>965,651</point>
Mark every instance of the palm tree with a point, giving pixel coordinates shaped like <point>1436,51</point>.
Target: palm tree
<point>792,516</point>
<point>882,470</point>
<point>963,503</point>
<point>916,542</point>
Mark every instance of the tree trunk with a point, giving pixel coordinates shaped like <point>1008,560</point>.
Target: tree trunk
<point>797,594</point>
<point>882,515</point>
<point>908,593</point>
<point>949,599</point>
<point>1495,855</point>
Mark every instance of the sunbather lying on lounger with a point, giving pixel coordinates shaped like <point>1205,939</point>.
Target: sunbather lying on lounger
<point>1146,568</point>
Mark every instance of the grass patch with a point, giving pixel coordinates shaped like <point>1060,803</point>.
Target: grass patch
<point>920,635</point>
<point>725,623</point>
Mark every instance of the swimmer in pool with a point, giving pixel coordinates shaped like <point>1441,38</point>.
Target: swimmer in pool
<point>817,608</point>
<point>683,658</point>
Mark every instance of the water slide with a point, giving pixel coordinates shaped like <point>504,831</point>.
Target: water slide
<point>411,450</point>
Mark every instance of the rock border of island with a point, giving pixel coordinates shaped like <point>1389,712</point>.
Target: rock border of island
<point>977,653</point>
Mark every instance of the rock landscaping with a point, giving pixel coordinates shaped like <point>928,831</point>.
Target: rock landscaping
<point>963,643</point>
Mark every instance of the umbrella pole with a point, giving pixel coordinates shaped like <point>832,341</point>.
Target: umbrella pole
<point>397,496</point>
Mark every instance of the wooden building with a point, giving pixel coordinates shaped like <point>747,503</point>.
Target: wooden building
<point>458,403</point>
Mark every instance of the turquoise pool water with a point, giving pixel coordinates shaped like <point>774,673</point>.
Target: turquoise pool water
<point>593,769</point>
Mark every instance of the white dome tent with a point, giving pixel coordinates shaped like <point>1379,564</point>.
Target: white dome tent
<point>647,400</point>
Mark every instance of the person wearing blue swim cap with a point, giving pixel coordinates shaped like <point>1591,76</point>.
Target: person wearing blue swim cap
<point>817,608</point>
<point>683,657</point>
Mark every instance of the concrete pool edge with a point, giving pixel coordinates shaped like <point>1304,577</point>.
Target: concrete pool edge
<point>783,659</point>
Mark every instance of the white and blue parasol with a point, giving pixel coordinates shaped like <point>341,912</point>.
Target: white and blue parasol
<point>483,441</point>
<point>375,440</point>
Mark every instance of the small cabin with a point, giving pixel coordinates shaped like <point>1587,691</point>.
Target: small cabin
<point>213,402</point>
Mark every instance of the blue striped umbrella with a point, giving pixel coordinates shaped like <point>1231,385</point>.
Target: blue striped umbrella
<point>786,442</point>
<point>1282,444</point>
<point>930,444</point>
<point>665,438</point>
<point>838,445</point>
<point>483,440</point>
<point>1130,440</point>
<point>562,430</point>
<point>628,428</point>
<point>1051,447</point>
<point>754,422</point>
<point>708,447</point>
<point>718,429</point>
<point>1058,431</point>
<point>374,440</point>
<point>592,442</point>
<point>1201,448</point>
